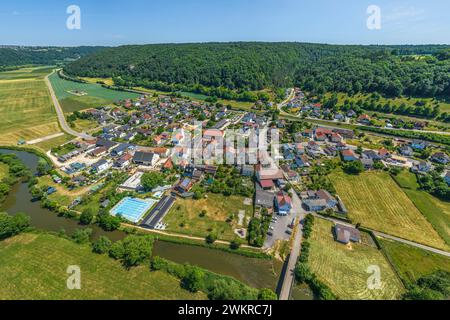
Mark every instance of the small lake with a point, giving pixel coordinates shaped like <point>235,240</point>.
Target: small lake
<point>257,273</point>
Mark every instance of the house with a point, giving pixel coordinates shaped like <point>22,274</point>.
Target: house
<point>101,166</point>
<point>212,134</point>
<point>447,178</point>
<point>119,150</point>
<point>349,155</point>
<point>345,234</point>
<point>335,138</point>
<point>383,153</point>
<point>406,151</point>
<point>327,197</point>
<point>148,159</point>
<point>264,199</point>
<point>440,157</point>
<point>419,145</point>
<point>315,204</point>
<point>248,170</point>
<point>98,152</point>
<point>364,119</point>
<point>367,163</point>
<point>106,144</point>
<point>302,162</point>
<point>283,203</point>
<point>124,161</point>
<point>185,185</point>
<point>371,154</point>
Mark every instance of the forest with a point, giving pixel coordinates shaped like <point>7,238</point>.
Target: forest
<point>236,70</point>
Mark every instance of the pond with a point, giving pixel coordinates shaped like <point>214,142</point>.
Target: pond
<point>257,273</point>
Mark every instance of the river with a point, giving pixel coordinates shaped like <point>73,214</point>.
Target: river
<point>257,273</point>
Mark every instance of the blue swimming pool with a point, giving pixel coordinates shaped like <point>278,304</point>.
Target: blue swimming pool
<point>132,209</point>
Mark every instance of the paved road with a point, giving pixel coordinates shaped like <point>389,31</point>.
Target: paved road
<point>390,237</point>
<point>288,280</point>
<point>61,117</point>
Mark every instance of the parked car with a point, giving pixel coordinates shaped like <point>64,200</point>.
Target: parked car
<point>289,232</point>
<point>269,234</point>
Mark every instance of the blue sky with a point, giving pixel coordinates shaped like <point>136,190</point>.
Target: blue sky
<point>115,22</point>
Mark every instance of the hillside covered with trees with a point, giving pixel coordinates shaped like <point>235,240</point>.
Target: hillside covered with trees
<point>11,56</point>
<point>233,70</point>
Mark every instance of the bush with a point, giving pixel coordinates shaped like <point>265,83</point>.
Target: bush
<point>102,245</point>
<point>82,236</point>
<point>108,222</point>
<point>87,216</point>
<point>267,294</point>
<point>133,250</point>
<point>211,238</point>
<point>13,225</point>
<point>193,280</point>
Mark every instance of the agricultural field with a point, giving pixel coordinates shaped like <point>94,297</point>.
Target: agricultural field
<point>344,269</point>
<point>26,108</point>
<point>33,266</point>
<point>435,210</point>
<point>89,95</point>
<point>413,263</point>
<point>52,143</point>
<point>221,216</point>
<point>377,202</point>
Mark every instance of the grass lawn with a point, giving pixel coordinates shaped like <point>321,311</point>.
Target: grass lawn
<point>4,170</point>
<point>377,202</point>
<point>63,195</point>
<point>96,94</point>
<point>435,210</point>
<point>344,269</point>
<point>184,216</point>
<point>52,143</point>
<point>33,266</point>
<point>413,263</point>
<point>85,125</point>
<point>26,107</point>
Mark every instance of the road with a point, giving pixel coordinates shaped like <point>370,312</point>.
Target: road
<point>39,140</point>
<point>61,117</point>
<point>288,280</point>
<point>390,237</point>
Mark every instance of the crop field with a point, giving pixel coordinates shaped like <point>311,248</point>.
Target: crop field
<point>435,210</point>
<point>26,108</point>
<point>33,266</point>
<point>344,270</point>
<point>413,263</point>
<point>26,73</point>
<point>221,216</point>
<point>377,202</point>
<point>95,96</point>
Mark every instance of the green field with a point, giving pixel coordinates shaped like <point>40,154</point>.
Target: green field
<point>184,217</point>
<point>33,266</point>
<point>96,94</point>
<point>377,202</point>
<point>413,263</point>
<point>4,170</point>
<point>25,105</point>
<point>344,269</point>
<point>436,211</point>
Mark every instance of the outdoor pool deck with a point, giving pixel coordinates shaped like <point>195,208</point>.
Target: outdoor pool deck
<point>133,209</point>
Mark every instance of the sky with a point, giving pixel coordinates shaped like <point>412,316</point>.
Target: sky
<point>116,22</point>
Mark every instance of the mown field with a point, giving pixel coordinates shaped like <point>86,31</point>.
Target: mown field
<point>435,210</point>
<point>377,202</point>
<point>25,105</point>
<point>185,218</point>
<point>344,270</point>
<point>413,263</point>
<point>33,266</point>
<point>96,94</point>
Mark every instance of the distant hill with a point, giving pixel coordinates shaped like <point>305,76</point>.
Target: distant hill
<point>225,69</point>
<point>17,56</point>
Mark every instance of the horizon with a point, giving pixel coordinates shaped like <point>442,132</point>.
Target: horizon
<point>139,22</point>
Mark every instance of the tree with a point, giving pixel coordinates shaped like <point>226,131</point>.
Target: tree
<point>42,167</point>
<point>267,294</point>
<point>108,222</point>
<point>151,180</point>
<point>133,250</point>
<point>82,236</point>
<point>211,238</point>
<point>87,216</point>
<point>235,244</point>
<point>102,245</point>
<point>13,225</point>
<point>353,167</point>
<point>193,280</point>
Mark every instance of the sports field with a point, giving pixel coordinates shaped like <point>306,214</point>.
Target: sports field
<point>377,202</point>
<point>95,96</point>
<point>344,270</point>
<point>33,266</point>
<point>413,263</point>
<point>25,105</point>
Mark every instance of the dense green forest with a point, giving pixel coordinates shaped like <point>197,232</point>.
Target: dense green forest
<point>18,56</point>
<point>233,70</point>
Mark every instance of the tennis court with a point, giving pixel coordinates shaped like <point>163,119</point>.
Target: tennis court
<point>133,209</point>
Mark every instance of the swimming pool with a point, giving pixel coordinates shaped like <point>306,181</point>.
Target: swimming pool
<point>132,209</point>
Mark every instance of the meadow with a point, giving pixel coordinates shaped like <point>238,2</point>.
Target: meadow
<point>221,216</point>
<point>377,202</point>
<point>25,105</point>
<point>33,266</point>
<point>344,269</point>
<point>435,210</point>
<point>413,263</point>
<point>96,94</point>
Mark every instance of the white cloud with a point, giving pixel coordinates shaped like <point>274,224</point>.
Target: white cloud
<point>404,14</point>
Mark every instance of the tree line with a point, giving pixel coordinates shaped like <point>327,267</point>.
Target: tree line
<point>236,70</point>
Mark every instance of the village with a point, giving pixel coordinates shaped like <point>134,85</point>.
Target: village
<point>149,135</point>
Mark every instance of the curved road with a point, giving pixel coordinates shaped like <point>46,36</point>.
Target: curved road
<point>61,117</point>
